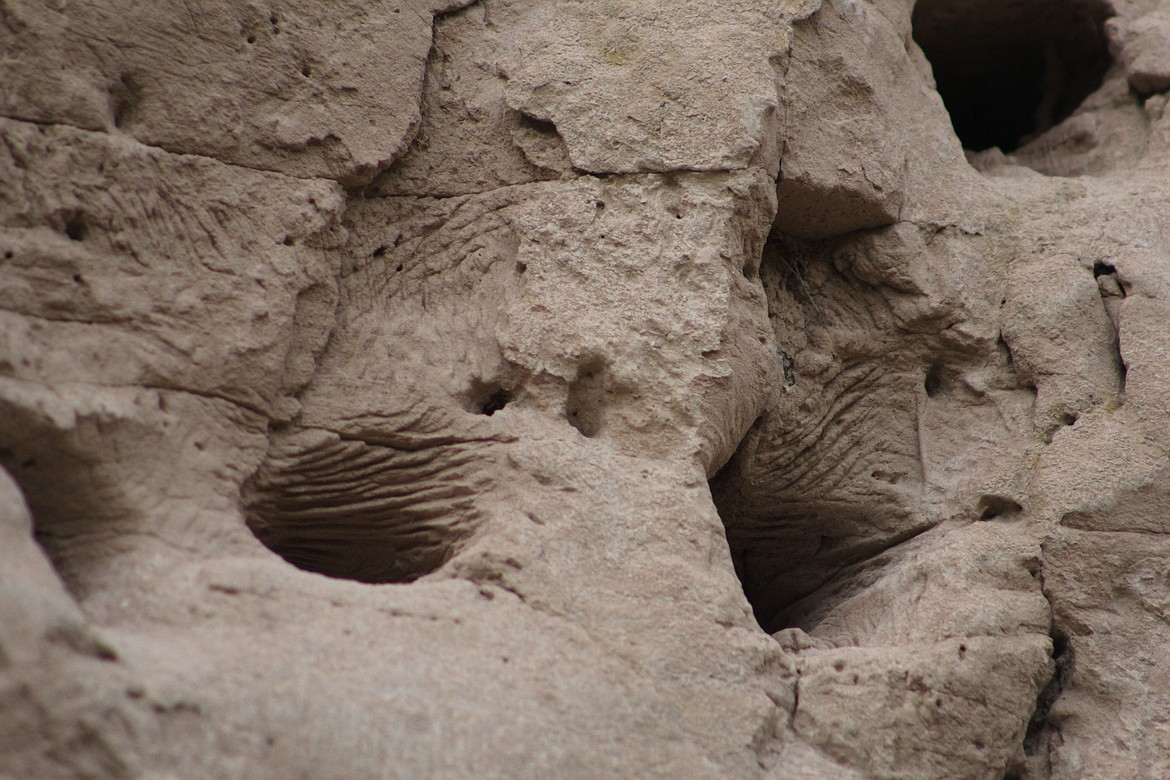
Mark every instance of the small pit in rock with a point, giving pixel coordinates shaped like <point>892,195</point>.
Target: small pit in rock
<point>587,397</point>
<point>487,398</point>
<point>1009,70</point>
<point>76,227</point>
<point>992,506</point>
<point>933,384</point>
<point>497,401</point>
<point>541,127</point>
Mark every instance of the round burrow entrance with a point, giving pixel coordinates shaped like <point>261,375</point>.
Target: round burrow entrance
<point>1008,70</point>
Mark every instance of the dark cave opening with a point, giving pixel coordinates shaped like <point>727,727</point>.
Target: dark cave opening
<point>1009,70</point>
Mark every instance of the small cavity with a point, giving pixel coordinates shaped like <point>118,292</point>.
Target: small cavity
<point>495,402</point>
<point>992,506</point>
<point>1101,268</point>
<point>934,381</point>
<point>540,126</point>
<point>76,226</point>
<point>1005,350</point>
<point>487,397</point>
<point>585,405</point>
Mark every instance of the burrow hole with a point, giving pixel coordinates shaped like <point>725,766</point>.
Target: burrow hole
<point>1101,268</point>
<point>76,226</point>
<point>541,127</point>
<point>992,506</point>
<point>586,401</point>
<point>1009,70</point>
<point>934,384</point>
<point>487,397</point>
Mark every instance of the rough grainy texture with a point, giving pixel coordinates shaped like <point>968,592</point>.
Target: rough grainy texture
<point>763,389</point>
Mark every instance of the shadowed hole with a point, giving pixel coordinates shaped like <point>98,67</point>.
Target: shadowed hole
<point>495,402</point>
<point>540,126</point>
<point>1101,268</point>
<point>933,383</point>
<point>585,405</point>
<point>76,227</point>
<point>486,397</point>
<point>993,506</point>
<point>1009,70</point>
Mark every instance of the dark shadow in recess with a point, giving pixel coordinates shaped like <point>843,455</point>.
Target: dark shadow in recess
<point>1009,70</point>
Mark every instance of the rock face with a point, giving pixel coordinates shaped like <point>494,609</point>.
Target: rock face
<point>561,389</point>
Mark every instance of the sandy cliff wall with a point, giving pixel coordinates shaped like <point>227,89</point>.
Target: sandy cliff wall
<point>760,389</point>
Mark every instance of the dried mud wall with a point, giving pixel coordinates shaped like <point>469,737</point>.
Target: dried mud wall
<point>761,389</point>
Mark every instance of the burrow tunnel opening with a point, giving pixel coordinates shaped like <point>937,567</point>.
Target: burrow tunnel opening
<point>825,490</point>
<point>794,514</point>
<point>1009,70</point>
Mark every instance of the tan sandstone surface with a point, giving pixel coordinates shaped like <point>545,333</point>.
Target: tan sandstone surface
<point>584,389</point>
